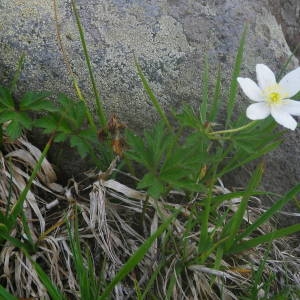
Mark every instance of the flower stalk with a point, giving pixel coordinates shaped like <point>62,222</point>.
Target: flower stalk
<point>233,130</point>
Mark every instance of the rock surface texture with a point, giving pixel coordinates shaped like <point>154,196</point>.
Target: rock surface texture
<point>287,14</point>
<point>170,38</point>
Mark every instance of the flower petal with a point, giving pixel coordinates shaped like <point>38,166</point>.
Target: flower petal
<point>291,82</point>
<point>283,118</point>
<point>251,89</point>
<point>258,111</point>
<point>265,76</point>
<point>291,106</point>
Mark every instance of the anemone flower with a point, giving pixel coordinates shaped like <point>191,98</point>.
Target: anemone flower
<point>273,98</point>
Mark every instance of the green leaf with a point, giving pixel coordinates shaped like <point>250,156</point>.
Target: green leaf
<point>89,134</point>
<point>204,103</point>
<point>19,120</point>
<point>17,74</point>
<point>52,290</point>
<point>231,229</point>
<point>18,206</point>
<point>249,244</point>
<point>79,112</point>
<point>7,115</point>
<point>153,185</point>
<point>136,147</point>
<point>152,149</point>
<point>270,212</point>
<point>49,123</point>
<point>188,118</point>
<point>4,294</point>
<point>14,130</point>
<point>6,100</point>
<point>215,107</point>
<point>60,137</point>
<point>15,242</point>
<point>73,112</point>
<point>82,147</point>
<point>156,189</point>
<point>24,120</point>
<point>239,160</point>
<point>234,84</point>
<point>35,101</point>
<point>152,97</point>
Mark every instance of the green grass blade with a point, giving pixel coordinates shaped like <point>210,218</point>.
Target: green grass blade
<point>236,164</point>
<point>84,269</point>
<point>136,258</point>
<point>4,294</point>
<point>151,96</point>
<point>52,290</point>
<point>234,84</point>
<point>152,279</point>
<point>204,103</point>
<point>205,238</point>
<point>17,74</point>
<point>236,221</point>
<point>243,246</point>
<point>6,237</point>
<point>100,109</point>
<point>18,206</point>
<point>270,212</point>
<point>216,99</point>
<point>219,199</point>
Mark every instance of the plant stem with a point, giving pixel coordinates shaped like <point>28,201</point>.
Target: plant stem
<point>69,68</point>
<point>248,125</point>
<point>100,109</point>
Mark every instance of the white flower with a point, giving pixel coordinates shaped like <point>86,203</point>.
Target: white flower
<point>272,97</point>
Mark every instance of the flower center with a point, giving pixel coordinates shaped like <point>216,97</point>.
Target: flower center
<point>274,97</point>
<point>274,94</point>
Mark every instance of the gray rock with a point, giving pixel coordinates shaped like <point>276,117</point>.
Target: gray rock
<point>170,38</point>
<point>287,14</point>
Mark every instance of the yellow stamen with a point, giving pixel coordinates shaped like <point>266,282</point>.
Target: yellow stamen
<point>274,97</point>
<point>274,94</point>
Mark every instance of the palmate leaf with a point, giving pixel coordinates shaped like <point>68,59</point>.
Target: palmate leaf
<point>136,148</point>
<point>184,160</point>
<point>36,101</point>
<point>14,130</point>
<point>151,149</point>
<point>89,134</point>
<point>6,100</point>
<point>7,115</point>
<point>48,123</point>
<point>60,137</point>
<point>153,185</point>
<point>188,118</point>
<point>82,146</point>
<point>72,110</point>
<point>257,137</point>
<point>18,122</point>
<point>157,142</point>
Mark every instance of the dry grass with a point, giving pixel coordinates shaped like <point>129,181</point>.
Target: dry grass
<point>114,220</point>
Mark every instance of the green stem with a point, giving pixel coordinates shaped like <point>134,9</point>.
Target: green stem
<point>234,129</point>
<point>100,109</point>
<point>81,98</point>
<point>18,73</point>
